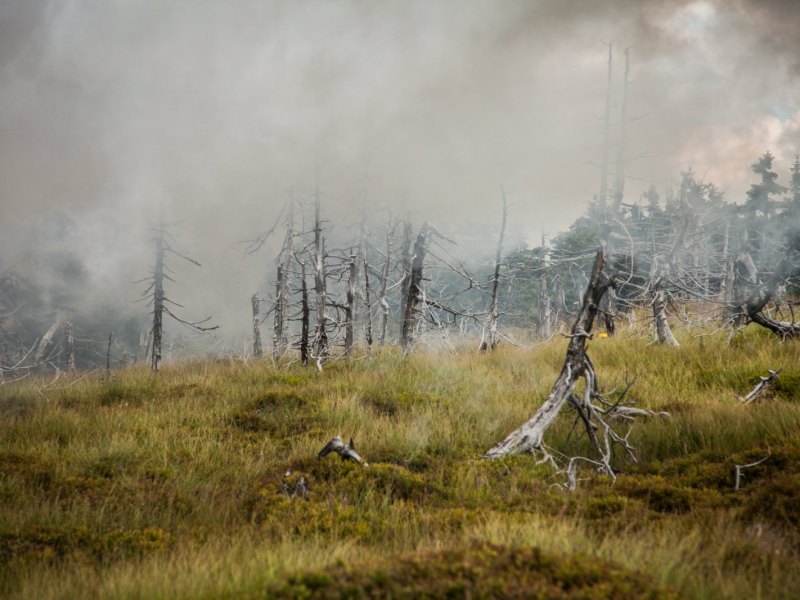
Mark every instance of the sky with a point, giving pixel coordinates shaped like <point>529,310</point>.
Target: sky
<point>115,112</point>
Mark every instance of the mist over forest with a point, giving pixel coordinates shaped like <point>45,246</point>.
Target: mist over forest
<point>209,116</point>
<point>400,299</point>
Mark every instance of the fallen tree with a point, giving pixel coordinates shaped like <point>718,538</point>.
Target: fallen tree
<point>593,410</point>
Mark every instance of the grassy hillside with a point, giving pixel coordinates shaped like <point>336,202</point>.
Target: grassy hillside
<point>171,486</point>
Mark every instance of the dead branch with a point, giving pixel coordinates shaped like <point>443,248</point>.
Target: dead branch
<point>762,386</point>
<point>345,451</point>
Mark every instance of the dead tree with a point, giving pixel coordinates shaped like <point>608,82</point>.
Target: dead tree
<point>350,307</point>
<point>382,302</point>
<point>69,346</point>
<point>257,348</point>
<point>544,309</point>
<point>279,318</point>
<point>367,305</point>
<point>757,302</point>
<point>663,330</point>
<point>305,316</point>
<point>46,341</point>
<point>560,311</point>
<point>405,264</point>
<point>415,294</point>
<point>529,437</point>
<point>320,335</point>
<point>280,338</point>
<point>745,279</point>
<point>491,325</point>
<point>159,299</point>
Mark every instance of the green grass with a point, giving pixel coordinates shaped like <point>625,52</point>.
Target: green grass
<point>168,486</point>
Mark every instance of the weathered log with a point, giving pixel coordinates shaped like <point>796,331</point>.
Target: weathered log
<point>345,451</point>
<point>762,386</point>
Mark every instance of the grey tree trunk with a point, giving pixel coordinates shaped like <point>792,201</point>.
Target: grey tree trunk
<point>350,307</point>
<point>320,335</point>
<point>305,318</point>
<point>69,346</point>
<point>158,300</point>
<point>384,284</point>
<point>544,309</point>
<point>257,348</point>
<point>415,296</point>
<point>47,339</point>
<point>367,305</point>
<point>278,346</point>
<point>663,331</point>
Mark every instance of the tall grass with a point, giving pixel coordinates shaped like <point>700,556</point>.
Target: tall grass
<point>167,486</point>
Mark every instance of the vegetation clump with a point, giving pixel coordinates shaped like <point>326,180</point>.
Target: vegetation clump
<point>482,570</point>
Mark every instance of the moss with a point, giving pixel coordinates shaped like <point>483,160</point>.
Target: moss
<point>50,544</point>
<point>664,496</point>
<point>278,412</point>
<point>27,469</point>
<point>395,482</point>
<point>481,570</point>
<point>113,464</point>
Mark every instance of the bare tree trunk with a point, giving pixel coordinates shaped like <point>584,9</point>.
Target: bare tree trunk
<point>320,336</point>
<point>384,284</point>
<point>69,346</point>
<point>304,324</point>
<point>257,348</point>
<point>492,324</point>
<point>559,302</point>
<point>281,341</point>
<point>745,277</point>
<point>415,293</point>
<point>367,305</point>
<point>278,318</point>
<point>47,339</point>
<point>544,310</point>
<point>529,437</point>
<point>762,295</point>
<point>350,308</point>
<point>108,355</point>
<point>405,263</point>
<point>608,306</point>
<point>663,330</point>
<point>158,300</point>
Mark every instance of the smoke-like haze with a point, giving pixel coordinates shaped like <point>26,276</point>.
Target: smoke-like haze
<point>114,110</point>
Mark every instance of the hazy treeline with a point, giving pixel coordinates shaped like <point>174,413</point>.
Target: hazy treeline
<point>368,266</point>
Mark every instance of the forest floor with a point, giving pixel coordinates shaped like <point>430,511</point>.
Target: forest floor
<point>175,485</point>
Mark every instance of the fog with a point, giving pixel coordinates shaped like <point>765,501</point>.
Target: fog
<point>117,112</point>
